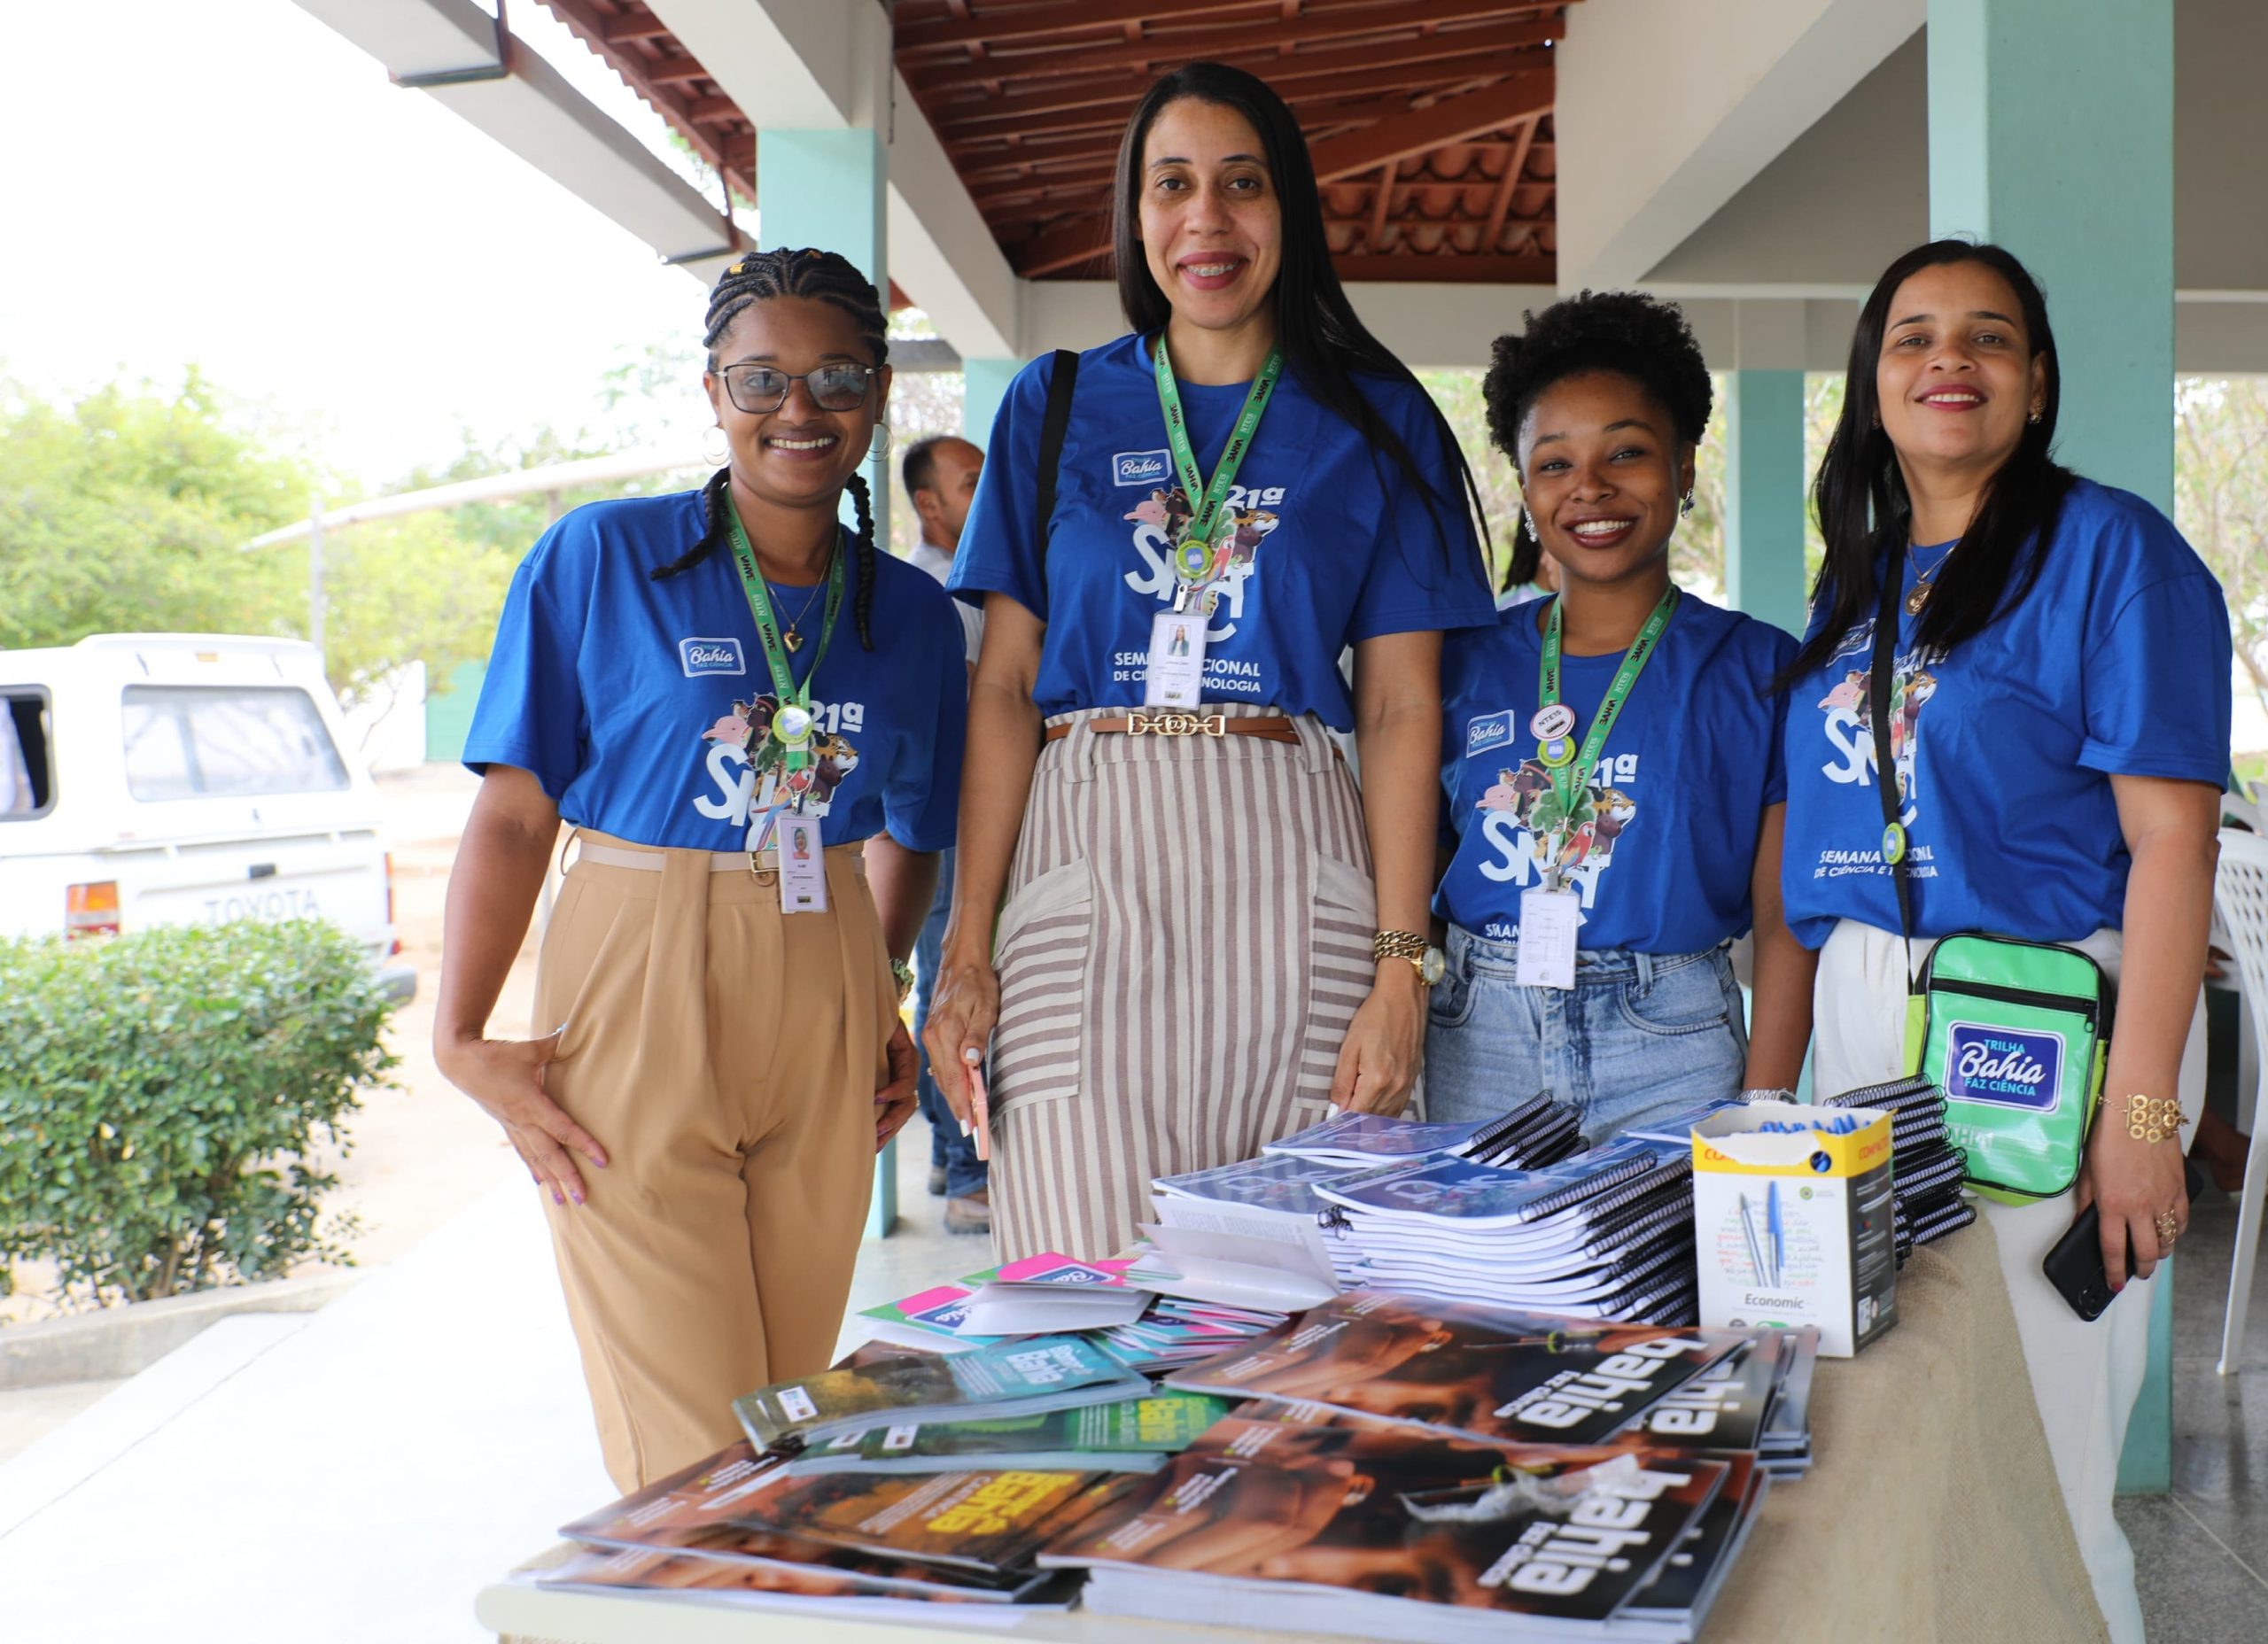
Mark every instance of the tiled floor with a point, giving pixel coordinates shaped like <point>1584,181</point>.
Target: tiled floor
<point>2200,1554</point>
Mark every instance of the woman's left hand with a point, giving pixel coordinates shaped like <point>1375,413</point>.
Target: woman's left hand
<point>895,1099</point>
<point>1378,1064</point>
<point>2132,1183</point>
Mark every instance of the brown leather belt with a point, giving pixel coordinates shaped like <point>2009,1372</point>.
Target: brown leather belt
<point>1275,728</point>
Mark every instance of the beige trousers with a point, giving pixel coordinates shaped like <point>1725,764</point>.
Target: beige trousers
<point>2086,1377</point>
<point>726,1057</point>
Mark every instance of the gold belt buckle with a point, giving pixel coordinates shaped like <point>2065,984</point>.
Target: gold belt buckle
<point>1139,723</point>
<point>756,868</point>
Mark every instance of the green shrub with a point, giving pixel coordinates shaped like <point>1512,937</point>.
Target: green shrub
<point>158,1094</point>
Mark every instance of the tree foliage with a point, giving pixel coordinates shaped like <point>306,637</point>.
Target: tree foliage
<point>2220,502</point>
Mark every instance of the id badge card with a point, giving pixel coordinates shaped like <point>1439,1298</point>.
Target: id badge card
<point>1548,922</point>
<point>1176,674</point>
<point>803,864</point>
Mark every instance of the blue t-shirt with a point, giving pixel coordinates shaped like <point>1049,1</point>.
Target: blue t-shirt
<point>1346,547</point>
<point>2116,663</point>
<point>1682,783</point>
<point>628,699</point>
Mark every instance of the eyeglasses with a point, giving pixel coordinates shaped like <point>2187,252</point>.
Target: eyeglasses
<point>758,388</point>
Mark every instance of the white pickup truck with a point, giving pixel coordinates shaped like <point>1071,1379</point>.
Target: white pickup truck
<point>185,779</point>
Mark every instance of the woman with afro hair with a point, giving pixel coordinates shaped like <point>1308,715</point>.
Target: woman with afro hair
<point>1610,764</point>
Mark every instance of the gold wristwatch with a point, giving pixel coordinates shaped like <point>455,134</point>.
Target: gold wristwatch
<point>1403,945</point>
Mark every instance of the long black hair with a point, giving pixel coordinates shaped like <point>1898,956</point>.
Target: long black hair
<point>1860,497</point>
<point>1324,345</point>
<point>1628,333</point>
<point>832,278</point>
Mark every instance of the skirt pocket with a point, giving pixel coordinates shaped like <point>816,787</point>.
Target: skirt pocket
<point>1342,918</point>
<point>1040,955</point>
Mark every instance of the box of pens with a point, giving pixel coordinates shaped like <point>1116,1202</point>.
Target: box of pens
<point>1793,1221</point>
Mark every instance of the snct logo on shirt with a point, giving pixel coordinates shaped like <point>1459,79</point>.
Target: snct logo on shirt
<point>702,657</point>
<point>1139,467</point>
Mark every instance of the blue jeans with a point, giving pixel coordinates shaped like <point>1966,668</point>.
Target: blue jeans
<point>1638,1037</point>
<point>965,1172</point>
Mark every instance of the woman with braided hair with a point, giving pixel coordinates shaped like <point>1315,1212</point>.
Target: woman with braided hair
<point>753,720</point>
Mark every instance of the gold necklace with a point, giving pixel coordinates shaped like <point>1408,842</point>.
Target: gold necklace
<point>789,637</point>
<point>1923,581</point>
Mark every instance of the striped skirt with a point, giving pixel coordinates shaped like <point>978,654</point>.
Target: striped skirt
<point>1185,941</point>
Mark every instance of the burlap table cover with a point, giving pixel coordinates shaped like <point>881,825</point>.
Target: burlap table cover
<point>1932,1511</point>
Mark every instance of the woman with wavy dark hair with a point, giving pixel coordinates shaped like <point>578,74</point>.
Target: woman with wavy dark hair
<point>1209,938</point>
<point>2059,728</point>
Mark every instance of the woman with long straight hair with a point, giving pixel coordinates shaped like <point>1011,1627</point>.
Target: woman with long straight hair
<point>2059,728</point>
<point>1209,938</point>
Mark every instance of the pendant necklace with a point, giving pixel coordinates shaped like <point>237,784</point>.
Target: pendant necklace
<point>1922,582</point>
<point>789,637</point>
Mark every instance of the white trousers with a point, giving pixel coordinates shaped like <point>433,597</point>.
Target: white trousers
<point>2084,1376</point>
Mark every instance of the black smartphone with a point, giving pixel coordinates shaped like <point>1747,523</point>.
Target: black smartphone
<point>2075,1265</point>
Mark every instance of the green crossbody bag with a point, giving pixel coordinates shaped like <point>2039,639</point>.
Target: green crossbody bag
<point>2014,1033</point>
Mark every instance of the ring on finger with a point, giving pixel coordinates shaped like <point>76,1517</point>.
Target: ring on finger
<point>2169,1228</point>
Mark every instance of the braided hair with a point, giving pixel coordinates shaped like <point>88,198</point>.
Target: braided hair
<point>1628,333</point>
<point>830,278</point>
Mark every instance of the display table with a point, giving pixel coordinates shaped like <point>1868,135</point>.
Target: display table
<point>1931,1512</point>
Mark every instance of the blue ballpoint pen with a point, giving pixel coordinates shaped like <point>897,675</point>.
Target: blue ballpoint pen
<point>1772,1224</point>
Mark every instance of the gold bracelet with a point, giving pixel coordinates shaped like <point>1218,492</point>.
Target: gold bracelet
<point>2153,1118</point>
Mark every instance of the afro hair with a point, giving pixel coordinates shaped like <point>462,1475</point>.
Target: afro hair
<point>1626,332</point>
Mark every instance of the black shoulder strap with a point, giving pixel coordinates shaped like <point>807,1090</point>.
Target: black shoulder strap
<point>1050,447</point>
<point>1885,655</point>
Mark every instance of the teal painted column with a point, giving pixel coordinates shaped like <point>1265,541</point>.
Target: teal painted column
<point>1764,496</point>
<point>2051,133</point>
<point>984,385</point>
<point>830,190</point>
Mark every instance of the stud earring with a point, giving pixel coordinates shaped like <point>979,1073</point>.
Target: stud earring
<point>716,452</point>
<point>2034,418</point>
<point>878,447</point>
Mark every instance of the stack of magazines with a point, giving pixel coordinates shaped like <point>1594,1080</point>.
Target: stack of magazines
<point>1606,1234</point>
<point>1925,1167</point>
<point>741,1529</point>
<point>1285,1517</point>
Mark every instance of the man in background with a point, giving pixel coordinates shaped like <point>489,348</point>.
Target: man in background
<point>940,475</point>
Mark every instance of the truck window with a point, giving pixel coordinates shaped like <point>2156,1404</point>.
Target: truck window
<point>186,742</point>
<point>27,770</point>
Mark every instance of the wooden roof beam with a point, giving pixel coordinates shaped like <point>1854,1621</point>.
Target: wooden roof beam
<point>992,26</point>
<point>1220,43</point>
<point>1502,203</point>
<point>1521,96</point>
<point>1278,69</point>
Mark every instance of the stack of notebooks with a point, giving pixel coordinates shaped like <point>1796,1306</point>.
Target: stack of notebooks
<point>1049,1292</point>
<point>1925,1167</point>
<point>1539,1131</point>
<point>1168,1330</point>
<point>1605,1234</point>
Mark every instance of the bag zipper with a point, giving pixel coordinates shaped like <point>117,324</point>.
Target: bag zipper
<point>2062,1001</point>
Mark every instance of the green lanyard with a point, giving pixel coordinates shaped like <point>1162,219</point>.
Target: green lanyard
<point>792,730</point>
<point>1572,779</point>
<point>1195,569</point>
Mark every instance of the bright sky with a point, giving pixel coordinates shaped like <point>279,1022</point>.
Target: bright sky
<point>231,184</point>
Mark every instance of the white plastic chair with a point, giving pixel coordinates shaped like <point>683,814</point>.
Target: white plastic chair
<point>2241,909</point>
